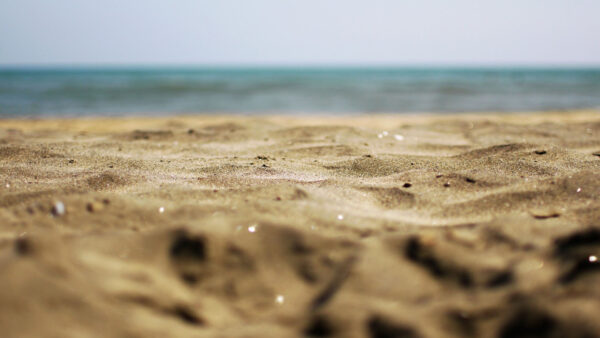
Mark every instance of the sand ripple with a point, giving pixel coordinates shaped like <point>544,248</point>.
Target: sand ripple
<point>465,226</point>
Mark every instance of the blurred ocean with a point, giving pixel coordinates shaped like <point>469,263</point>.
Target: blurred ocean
<point>156,91</point>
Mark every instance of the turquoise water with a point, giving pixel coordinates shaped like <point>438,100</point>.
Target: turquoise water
<point>154,91</point>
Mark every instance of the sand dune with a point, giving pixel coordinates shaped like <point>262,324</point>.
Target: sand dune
<point>214,226</point>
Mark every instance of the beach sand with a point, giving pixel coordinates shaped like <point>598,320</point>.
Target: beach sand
<point>372,226</point>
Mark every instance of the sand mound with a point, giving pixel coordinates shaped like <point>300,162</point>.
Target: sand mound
<point>460,226</point>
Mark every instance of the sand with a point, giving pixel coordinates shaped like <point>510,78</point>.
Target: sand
<point>220,226</point>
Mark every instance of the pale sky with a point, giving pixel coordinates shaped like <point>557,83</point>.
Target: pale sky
<point>300,32</point>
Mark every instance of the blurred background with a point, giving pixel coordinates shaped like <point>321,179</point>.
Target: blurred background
<point>84,57</point>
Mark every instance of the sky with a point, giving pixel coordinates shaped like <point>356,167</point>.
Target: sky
<point>300,32</point>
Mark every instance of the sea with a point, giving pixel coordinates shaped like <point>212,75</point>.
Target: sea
<point>147,91</point>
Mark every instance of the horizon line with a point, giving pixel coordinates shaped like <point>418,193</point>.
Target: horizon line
<point>216,66</point>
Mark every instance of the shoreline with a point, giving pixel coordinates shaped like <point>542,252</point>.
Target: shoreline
<point>311,118</point>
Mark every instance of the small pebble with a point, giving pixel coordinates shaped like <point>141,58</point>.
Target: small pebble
<point>279,299</point>
<point>161,209</point>
<point>399,137</point>
<point>593,259</point>
<point>340,217</point>
<point>407,185</point>
<point>94,206</point>
<point>447,184</point>
<point>58,209</point>
<point>252,228</point>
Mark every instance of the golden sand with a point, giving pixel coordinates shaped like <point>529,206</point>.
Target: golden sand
<point>219,226</point>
